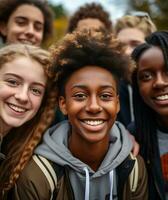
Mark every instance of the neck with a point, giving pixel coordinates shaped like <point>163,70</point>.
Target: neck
<point>91,154</point>
<point>4,129</point>
<point>163,121</point>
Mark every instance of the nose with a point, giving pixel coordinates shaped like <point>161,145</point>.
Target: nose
<point>22,95</point>
<point>128,50</point>
<point>93,105</point>
<point>160,81</point>
<point>30,30</point>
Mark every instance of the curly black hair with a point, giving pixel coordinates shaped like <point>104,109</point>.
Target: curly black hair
<point>7,7</point>
<point>90,10</point>
<point>95,48</point>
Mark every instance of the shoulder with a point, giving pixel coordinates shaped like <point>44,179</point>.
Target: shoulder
<point>32,183</point>
<point>140,178</point>
<point>141,167</point>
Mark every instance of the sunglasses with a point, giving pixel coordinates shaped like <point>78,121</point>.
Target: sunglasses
<point>139,14</point>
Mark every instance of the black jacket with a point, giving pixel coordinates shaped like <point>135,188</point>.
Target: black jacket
<point>155,177</point>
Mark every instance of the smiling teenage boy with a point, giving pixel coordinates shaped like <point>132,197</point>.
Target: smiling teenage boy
<point>90,152</point>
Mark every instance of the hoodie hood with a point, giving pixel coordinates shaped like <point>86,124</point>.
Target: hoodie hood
<point>82,177</point>
<point>55,148</point>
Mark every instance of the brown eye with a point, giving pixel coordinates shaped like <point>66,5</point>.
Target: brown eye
<point>39,26</point>
<point>80,96</point>
<point>36,92</point>
<point>21,21</point>
<point>145,76</point>
<point>12,82</point>
<point>106,97</point>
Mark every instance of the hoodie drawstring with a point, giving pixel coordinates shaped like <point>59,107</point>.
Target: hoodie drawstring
<point>87,183</point>
<point>111,174</point>
<point>131,102</point>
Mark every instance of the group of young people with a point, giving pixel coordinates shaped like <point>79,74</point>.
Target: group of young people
<point>87,156</point>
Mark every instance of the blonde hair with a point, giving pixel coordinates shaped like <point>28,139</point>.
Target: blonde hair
<point>143,23</point>
<point>20,142</point>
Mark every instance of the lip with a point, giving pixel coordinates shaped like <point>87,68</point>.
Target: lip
<point>16,109</point>
<point>26,41</point>
<point>161,99</point>
<point>93,125</point>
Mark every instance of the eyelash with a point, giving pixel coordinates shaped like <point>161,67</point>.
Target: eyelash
<point>106,97</point>
<point>80,96</point>
<point>36,91</point>
<point>15,83</point>
<point>145,76</point>
<point>12,82</point>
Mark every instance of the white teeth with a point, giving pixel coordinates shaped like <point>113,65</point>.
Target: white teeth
<point>162,97</point>
<point>16,108</point>
<point>26,42</point>
<point>94,123</point>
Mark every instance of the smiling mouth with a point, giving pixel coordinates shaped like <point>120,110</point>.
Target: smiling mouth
<point>17,108</point>
<point>93,122</point>
<point>26,41</point>
<point>162,97</point>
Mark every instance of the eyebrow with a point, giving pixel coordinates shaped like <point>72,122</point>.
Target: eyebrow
<point>85,87</point>
<point>26,18</point>
<point>19,77</point>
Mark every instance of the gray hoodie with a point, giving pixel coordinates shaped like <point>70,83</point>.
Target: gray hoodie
<point>87,183</point>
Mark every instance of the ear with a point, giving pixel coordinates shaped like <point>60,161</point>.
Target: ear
<point>3,29</point>
<point>62,105</point>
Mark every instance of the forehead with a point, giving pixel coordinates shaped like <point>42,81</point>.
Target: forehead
<point>25,67</point>
<point>151,57</point>
<point>93,75</point>
<point>89,23</point>
<point>28,11</point>
<point>131,34</point>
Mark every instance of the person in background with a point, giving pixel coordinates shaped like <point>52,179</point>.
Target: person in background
<point>25,21</point>
<point>92,149</point>
<point>131,30</point>
<point>27,102</point>
<point>150,100</point>
<point>90,16</point>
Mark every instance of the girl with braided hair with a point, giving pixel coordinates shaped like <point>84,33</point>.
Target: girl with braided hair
<point>150,98</point>
<point>27,102</point>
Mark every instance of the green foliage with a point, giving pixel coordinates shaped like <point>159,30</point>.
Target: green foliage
<point>157,9</point>
<point>59,11</point>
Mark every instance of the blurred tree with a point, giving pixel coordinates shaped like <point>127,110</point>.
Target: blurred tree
<point>58,10</point>
<point>60,22</point>
<point>157,9</point>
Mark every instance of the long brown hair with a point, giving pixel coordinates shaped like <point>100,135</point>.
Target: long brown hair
<point>19,143</point>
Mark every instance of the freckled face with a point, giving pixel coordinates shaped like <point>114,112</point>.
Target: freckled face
<point>153,81</point>
<point>22,87</point>
<point>91,103</point>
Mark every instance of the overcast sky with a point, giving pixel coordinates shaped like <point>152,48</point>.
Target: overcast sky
<point>115,8</point>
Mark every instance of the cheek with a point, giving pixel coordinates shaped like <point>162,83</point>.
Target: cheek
<point>113,107</point>
<point>39,36</point>
<point>5,92</point>
<point>145,94</point>
<point>12,28</point>
<point>144,89</point>
<point>36,103</point>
